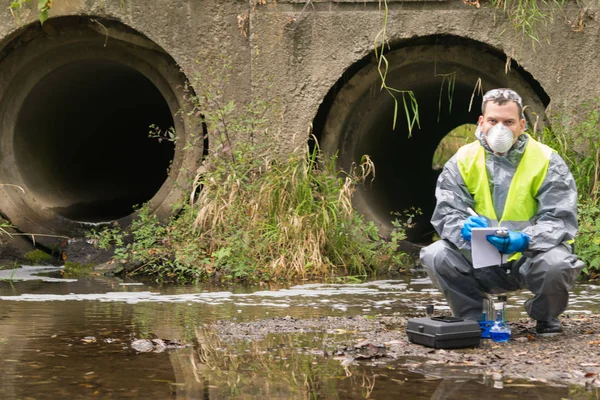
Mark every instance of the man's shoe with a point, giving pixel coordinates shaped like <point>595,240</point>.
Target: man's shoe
<point>548,328</point>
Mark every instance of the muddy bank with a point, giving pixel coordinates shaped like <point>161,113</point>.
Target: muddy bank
<point>570,358</point>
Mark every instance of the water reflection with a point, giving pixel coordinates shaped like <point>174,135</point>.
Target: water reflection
<point>44,353</point>
<point>292,368</point>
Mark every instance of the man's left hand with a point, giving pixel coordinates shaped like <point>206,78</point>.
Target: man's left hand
<point>516,241</point>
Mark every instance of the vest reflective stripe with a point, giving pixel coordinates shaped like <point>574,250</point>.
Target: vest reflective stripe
<point>529,176</point>
<point>521,204</point>
<point>471,164</point>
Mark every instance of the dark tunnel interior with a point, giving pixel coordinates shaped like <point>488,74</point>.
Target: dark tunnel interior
<point>405,179</point>
<point>448,76</point>
<point>81,140</point>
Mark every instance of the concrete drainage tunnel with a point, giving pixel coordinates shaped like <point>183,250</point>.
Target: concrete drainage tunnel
<point>356,118</point>
<point>77,102</point>
<point>76,110</point>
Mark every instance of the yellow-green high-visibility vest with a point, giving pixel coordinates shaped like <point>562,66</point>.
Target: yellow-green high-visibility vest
<point>521,203</point>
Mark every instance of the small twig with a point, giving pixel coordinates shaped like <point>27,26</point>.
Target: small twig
<point>294,20</point>
<point>33,235</point>
<point>11,185</point>
<point>476,89</point>
<point>40,234</point>
<point>507,65</point>
<point>106,30</point>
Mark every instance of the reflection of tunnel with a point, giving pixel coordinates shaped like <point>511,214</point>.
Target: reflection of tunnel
<point>81,140</point>
<point>76,103</point>
<point>356,118</point>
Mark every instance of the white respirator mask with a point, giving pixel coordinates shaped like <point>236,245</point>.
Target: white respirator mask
<point>500,138</point>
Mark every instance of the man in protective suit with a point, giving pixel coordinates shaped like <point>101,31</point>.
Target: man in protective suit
<point>515,182</point>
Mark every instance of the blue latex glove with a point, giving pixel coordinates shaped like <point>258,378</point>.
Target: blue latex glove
<point>516,241</point>
<point>473,222</point>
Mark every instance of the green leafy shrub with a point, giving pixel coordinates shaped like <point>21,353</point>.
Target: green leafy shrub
<point>587,244</point>
<point>575,135</point>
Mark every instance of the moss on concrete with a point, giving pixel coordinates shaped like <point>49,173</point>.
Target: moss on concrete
<point>75,270</point>
<point>38,257</point>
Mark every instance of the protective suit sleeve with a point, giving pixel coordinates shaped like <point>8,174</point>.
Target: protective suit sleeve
<point>556,217</point>
<point>453,199</point>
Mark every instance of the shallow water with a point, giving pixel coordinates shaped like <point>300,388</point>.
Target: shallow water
<point>72,339</point>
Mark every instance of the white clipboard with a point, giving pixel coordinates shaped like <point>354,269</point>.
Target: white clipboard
<point>484,253</point>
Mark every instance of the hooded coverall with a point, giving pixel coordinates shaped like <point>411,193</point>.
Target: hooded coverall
<point>548,268</point>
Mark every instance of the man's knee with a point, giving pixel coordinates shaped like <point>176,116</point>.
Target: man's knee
<point>430,254</point>
<point>432,258</point>
<point>439,256</point>
<point>558,265</point>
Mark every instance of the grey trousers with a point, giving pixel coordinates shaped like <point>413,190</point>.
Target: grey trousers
<point>548,275</point>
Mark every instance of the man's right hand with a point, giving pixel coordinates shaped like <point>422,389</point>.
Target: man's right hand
<point>473,222</point>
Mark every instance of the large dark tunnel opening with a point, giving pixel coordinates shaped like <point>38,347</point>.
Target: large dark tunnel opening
<point>78,100</point>
<point>82,144</point>
<point>356,118</point>
<point>405,180</point>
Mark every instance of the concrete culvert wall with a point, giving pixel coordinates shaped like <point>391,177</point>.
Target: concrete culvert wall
<point>357,119</point>
<point>76,109</point>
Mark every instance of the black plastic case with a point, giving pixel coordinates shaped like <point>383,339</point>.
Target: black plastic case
<point>444,332</point>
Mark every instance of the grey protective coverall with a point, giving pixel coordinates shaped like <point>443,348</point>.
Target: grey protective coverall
<point>548,268</point>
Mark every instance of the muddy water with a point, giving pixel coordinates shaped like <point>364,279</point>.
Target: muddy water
<point>73,339</point>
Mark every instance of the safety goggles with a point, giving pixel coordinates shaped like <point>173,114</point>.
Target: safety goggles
<point>498,94</point>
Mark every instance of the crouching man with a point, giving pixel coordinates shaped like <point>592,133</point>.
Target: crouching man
<point>513,181</point>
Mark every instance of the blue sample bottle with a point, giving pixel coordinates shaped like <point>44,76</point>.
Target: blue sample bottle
<point>486,318</point>
<point>502,300</point>
<point>499,332</point>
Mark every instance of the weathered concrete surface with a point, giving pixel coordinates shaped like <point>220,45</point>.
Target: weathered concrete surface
<point>308,51</point>
<point>297,51</point>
